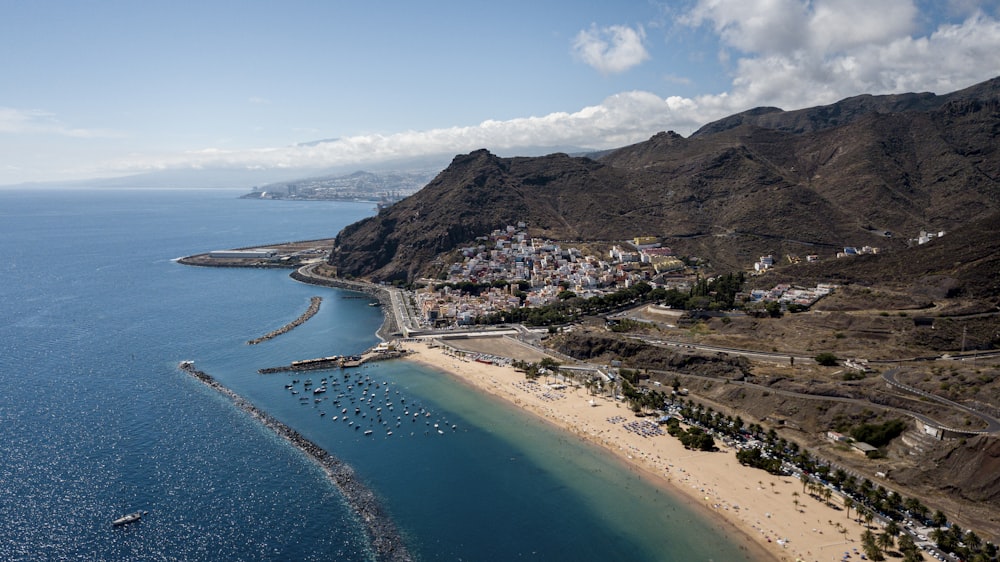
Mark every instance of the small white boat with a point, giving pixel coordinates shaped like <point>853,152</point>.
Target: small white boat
<point>126,519</point>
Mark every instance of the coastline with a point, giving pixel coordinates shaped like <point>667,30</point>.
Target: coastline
<point>770,515</point>
<point>389,323</point>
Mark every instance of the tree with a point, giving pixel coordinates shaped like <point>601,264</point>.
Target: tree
<point>549,363</point>
<point>804,478</point>
<point>885,541</point>
<point>869,517</point>
<point>827,359</point>
<point>848,504</point>
<point>870,546</point>
<point>892,528</point>
<point>909,548</point>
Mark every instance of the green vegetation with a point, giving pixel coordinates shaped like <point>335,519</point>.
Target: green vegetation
<point>757,459</point>
<point>693,438</point>
<point>827,359</point>
<point>878,435</point>
<point>717,294</point>
<point>573,308</point>
<point>533,370</point>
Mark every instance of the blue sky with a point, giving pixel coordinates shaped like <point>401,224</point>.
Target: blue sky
<point>104,88</point>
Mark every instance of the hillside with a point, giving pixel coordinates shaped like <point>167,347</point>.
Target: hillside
<point>765,181</point>
<point>964,263</point>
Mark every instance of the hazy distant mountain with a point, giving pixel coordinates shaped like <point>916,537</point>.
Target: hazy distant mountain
<point>763,181</point>
<point>361,185</point>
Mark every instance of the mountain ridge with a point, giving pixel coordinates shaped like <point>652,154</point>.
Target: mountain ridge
<point>756,183</point>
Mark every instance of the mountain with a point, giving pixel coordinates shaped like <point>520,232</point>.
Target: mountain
<point>848,110</point>
<point>355,186</point>
<point>869,170</point>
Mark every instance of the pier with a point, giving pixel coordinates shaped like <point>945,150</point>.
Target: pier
<point>385,538</point>
<point>381,352</point>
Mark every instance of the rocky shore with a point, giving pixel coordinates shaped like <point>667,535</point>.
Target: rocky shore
<point>389,324</point>
<point>314,304</point>
<point>382,533</point>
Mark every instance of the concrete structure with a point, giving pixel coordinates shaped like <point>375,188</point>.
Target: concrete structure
<point>244,254</point>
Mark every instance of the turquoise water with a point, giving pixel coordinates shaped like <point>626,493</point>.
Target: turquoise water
<point>97,421</point>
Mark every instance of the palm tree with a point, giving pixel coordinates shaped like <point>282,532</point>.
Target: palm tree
<point>804,478</point>
<point>892,528</point>
<point>848,504</point>
<point>870,545</point>
<point>885,541</point>
<point>827,494</point>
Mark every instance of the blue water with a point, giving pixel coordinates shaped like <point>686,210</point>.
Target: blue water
<point>97,421</point>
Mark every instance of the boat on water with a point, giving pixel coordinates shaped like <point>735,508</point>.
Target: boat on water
<point>126,519</point>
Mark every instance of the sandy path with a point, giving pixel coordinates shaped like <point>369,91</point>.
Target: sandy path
<point>759,505</point>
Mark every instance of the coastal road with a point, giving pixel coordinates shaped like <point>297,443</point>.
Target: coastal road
<point>748,353</point>
<point>992,424</point>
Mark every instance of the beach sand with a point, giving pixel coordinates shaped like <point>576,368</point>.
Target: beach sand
<point>758,505</point>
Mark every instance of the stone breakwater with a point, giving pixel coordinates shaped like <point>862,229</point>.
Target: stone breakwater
<point>314,304</point>
<point>382,533</point>
<point>389,324</point>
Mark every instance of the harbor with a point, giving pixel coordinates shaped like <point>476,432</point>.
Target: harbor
<point>385,538</point>
<point>381,352</point>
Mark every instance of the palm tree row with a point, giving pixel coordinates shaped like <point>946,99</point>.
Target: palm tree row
<point>861,494</point>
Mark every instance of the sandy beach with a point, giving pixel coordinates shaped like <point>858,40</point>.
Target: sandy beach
<point>778,519</point>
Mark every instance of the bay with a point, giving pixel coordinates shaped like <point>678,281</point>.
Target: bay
<point>97,421</point>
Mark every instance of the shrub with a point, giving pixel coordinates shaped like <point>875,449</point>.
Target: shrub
<point>826,359</point>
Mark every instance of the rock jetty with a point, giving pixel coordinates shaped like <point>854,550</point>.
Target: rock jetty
<point>382,533</point>
<point>309,313</point>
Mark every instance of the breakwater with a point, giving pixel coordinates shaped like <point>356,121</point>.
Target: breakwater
<point>314,304</point>
<point>390,324</point>
<point>382,533</point>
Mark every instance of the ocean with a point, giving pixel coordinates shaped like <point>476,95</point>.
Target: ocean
<point>97,421</point>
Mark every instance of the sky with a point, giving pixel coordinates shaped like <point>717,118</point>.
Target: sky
<point>110,88</point>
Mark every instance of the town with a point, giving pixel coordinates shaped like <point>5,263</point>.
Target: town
<point>509,269</point>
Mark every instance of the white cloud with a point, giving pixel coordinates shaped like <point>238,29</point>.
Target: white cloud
<point>32,121</point>
<point>611,49</point>
<point>621,119</point>
<point>753,25</point>
<point>784,53</point>
<point>796,53</point>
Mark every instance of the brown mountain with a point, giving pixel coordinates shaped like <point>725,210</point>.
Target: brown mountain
<point>763,181</point>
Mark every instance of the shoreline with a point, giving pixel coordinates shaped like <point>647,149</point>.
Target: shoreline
<point>389,322</point>
<point>765,515</point>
